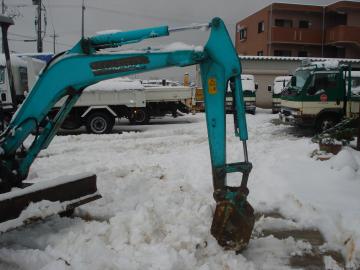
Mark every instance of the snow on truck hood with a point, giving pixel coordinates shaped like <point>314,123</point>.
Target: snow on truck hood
<point>117,84</point>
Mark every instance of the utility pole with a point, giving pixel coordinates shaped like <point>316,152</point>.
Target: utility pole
<point>3,13</point>
<point>39,20</point>
<point>82,18</point>
<point>358,135</point>
<point>39,39</point>
<point>54,36</point>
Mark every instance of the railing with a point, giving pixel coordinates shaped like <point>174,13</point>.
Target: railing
<point>343,34</point>
<point>296,35</point>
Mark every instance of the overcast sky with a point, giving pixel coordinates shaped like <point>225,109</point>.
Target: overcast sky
<point>64,17</point>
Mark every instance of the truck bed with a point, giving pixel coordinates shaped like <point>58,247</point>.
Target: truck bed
<point>168,93</point>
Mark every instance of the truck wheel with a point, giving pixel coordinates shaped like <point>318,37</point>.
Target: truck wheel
<point>139,117</point>
<point>99,123</point>
<point>325,122</point>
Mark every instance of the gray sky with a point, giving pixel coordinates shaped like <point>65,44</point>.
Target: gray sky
<point>64,16</point>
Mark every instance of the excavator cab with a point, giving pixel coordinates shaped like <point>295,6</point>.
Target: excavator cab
<point>87,63</point>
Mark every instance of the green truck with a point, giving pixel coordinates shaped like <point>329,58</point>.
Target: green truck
<point>320,94</point>
<point>249,88</point>
<point>279,85</point>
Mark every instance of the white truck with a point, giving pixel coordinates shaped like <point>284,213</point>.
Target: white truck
<point>24,72</point>
<point>279,85</point>
<point>102,103</point>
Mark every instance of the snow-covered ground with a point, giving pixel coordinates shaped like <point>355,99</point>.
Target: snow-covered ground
<point>157,200</point>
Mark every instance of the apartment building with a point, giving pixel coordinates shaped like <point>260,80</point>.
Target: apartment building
<point>301,31</point>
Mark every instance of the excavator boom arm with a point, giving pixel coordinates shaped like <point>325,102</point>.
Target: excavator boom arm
<point>83,65</point>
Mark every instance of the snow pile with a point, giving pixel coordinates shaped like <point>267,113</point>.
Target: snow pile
<point>157,203</point>
<point>345,159</point>
<point>117,84</point>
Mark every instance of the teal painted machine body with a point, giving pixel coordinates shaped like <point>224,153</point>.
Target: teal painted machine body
<point>83,65</point>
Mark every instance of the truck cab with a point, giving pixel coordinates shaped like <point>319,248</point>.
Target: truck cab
<point>279,85</point>
<point>319,95</point>
<point>19,72</point>
<point>249,88</point>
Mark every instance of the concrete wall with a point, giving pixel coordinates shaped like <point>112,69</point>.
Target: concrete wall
<point>265,72</point>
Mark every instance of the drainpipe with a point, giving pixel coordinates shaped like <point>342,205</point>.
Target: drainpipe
<point>270,29</point>
<point>323,32</point>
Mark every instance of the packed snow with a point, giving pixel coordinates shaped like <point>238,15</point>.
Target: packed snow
<point>157,203</point>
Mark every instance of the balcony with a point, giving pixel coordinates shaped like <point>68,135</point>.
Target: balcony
<point>343,34</point>
<point>296,36</point>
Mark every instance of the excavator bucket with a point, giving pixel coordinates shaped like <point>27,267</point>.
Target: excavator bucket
<point>40,200</point>
<point>233,223</point>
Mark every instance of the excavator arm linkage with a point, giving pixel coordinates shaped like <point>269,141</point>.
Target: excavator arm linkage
<point>83,65</point>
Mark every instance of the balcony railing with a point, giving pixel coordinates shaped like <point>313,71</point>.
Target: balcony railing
<point>296,35</point>
<point>343,34</point>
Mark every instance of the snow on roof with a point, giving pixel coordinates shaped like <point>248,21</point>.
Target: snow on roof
<point>117,84</point>
<point>287,58</point>
<point>328,64</point>
<point>247,77</point>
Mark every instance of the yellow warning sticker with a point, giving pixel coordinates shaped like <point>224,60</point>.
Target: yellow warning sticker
<point>212,86</point>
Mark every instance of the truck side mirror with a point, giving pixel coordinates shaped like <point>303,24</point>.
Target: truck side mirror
<point>256,86</point>
<point>293,81</point>
<point>269,88</point>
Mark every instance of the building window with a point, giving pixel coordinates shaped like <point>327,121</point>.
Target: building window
<point>260,53</point>
<point>283,23</point>
<point>243,33</point>
<point>282,53</point>
<point>303,54</point>
<point>261,27</point>
<point>304,24</point>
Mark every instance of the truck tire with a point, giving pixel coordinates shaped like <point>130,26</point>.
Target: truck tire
<point>99,123</point>
<point>139,117</point>
<point>326,121</point>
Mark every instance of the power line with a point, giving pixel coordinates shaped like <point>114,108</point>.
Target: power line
<point>34,38</point>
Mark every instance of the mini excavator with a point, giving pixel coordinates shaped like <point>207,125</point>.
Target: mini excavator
<point>87,63</point>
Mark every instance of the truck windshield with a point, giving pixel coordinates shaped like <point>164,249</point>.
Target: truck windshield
<point>301,77</point>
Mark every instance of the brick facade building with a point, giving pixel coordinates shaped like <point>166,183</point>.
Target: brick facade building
<point>302,31</point>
